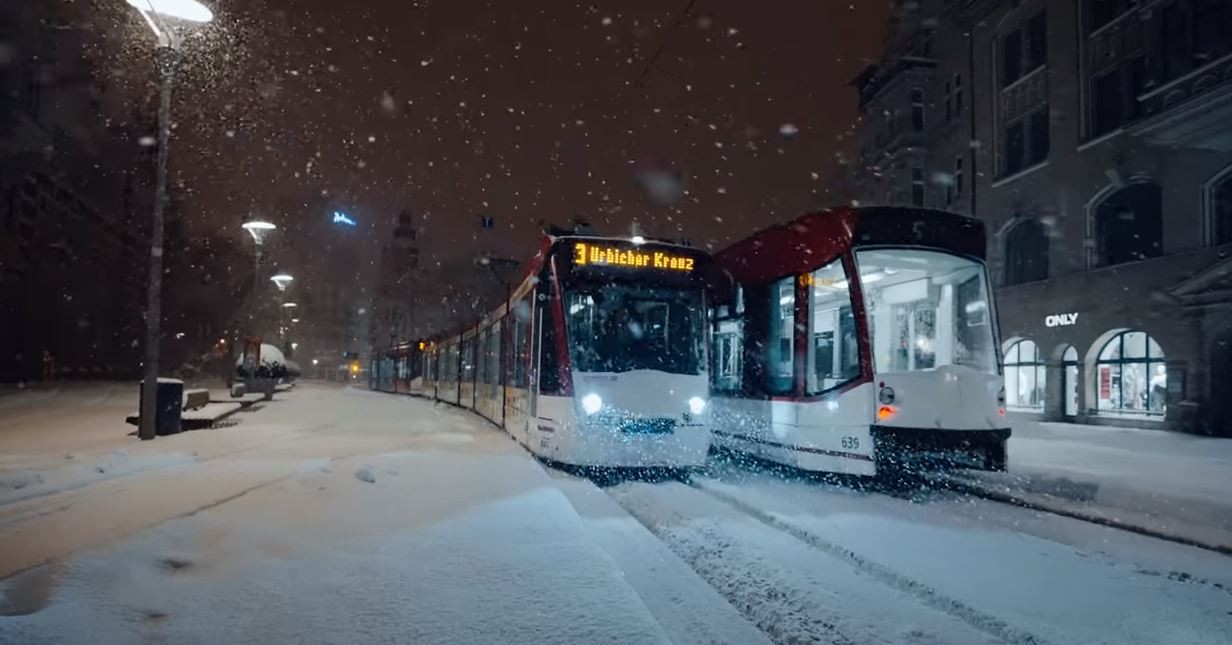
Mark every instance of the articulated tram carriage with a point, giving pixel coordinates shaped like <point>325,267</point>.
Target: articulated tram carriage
<point>860,339</point>
<point>598,357</point>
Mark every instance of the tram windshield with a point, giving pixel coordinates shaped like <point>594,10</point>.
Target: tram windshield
<point>926,309</point>
<point>620,329</point>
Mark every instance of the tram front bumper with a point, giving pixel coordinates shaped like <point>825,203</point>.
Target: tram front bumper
<point>931,447</point>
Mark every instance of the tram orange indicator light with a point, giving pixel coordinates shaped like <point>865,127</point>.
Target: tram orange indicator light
<point>885,412</point>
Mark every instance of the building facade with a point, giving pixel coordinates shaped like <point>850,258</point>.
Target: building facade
<point>1094,139</point>
<point>72,230</point>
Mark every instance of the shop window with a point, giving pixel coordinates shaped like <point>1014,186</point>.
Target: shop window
<point>780,348</point>
<point>1219,208</point>
<point>1026,252</point>
<point>833,352</point>
<point>1128,225</point>
<point>1131,377</point>
<point>1024,376</point>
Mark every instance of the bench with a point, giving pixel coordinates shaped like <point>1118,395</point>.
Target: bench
<point>196,398</point>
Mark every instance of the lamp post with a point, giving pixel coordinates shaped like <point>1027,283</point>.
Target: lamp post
<point>163,18</point>
<point>259,229</point>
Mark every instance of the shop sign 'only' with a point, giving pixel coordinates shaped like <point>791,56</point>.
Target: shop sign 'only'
<point>1061,320</point>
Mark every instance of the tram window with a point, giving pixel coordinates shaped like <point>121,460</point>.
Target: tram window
<point>728,355</point>
<point>834,351</point>
<point>781,326</point>
<point>492,354</point>
<point>620,329</point>
<point>521,343</point>
<point>481,355</point>
<point>549,377</point>
<point>468,360</point>
<point>926,309</point>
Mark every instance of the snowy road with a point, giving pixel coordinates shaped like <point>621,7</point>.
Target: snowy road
<point>845,560</point>
<point>337,515</point>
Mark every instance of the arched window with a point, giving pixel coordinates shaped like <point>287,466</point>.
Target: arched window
<point>1026,252</point>
<point>1130,376</point>
<point>1024,376</point>
<point>1128,225</point>
<point>1219,207</point>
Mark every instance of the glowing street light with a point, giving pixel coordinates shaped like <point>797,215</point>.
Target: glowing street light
<point>258,229</point>
<point>183,14</point>
<point>289,305</point>
<point>188,10</point>
<point>282,280</point>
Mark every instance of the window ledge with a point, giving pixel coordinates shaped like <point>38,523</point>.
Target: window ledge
<point>1091,143</point>
<point>1019,175</point>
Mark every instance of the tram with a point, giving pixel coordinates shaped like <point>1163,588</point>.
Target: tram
<point>597,358</point>
<point>860,340</point>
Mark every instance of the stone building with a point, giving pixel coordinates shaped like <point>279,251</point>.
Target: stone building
<point>1094,139</point>
<point>74,202</point>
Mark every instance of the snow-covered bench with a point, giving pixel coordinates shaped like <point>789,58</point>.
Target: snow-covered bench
<point>196,398</point>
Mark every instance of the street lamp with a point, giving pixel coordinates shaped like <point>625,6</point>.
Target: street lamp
<point>282,280</point>
<point>259,230</point>
<point>157,14</point>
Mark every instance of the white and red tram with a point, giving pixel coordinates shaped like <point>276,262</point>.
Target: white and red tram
<point>597,358</point>
<point>859,340</point>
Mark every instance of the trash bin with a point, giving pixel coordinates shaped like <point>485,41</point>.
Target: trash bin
<point>168,399</point>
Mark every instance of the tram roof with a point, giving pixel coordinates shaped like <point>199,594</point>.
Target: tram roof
<point>813,239</point>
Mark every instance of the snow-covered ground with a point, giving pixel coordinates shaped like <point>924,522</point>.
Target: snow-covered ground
<point>1020,575</point>
<point>332,516</point>
<point>1167,482</point>
<point>336,515</point>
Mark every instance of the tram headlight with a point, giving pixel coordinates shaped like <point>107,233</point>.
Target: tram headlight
<point>697,405</point>
<point>592,403</point>
<point>886,395</point>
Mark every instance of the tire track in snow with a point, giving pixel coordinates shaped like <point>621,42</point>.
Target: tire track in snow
<point>921,591</point>
<point>785,618</point>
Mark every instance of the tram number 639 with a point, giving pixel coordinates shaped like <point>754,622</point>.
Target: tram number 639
<point>851,443</point>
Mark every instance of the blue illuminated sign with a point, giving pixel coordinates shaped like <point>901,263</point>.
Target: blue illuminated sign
<point>343,218</point>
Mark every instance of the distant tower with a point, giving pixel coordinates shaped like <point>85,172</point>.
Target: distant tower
<point>393,321</point>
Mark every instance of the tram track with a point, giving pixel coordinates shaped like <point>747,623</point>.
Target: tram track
<point>761,591</point>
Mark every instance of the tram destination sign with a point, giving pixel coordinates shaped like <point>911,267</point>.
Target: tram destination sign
<point>599,255</point>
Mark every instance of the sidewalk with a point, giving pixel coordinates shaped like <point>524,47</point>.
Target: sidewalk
<point>1154,481</point>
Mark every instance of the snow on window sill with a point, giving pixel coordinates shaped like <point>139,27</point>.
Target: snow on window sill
<point>1019,175</point>
<point>1091,143</point>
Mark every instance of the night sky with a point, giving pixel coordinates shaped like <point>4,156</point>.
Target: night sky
<point>521,111</point>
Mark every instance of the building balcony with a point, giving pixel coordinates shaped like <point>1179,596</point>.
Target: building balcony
<point>1193,111</point>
